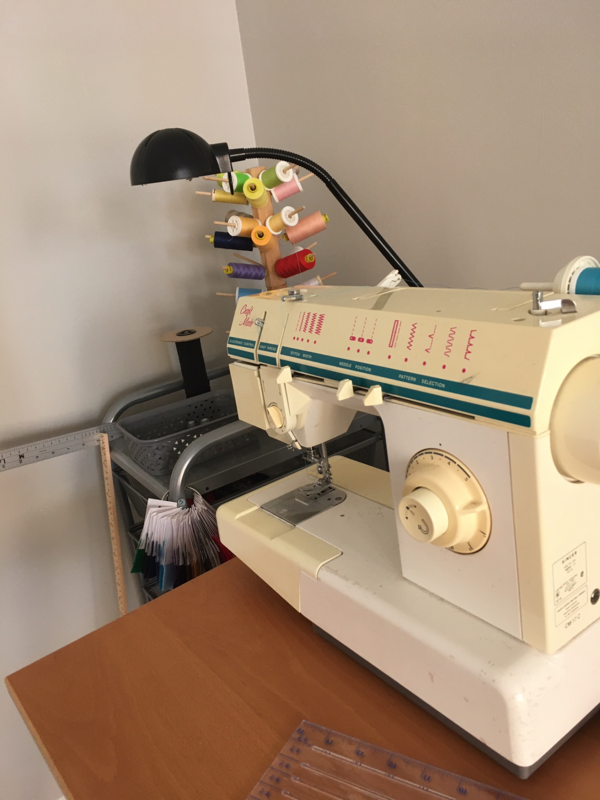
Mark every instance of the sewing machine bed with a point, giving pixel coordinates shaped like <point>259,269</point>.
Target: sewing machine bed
<point>486,684</point>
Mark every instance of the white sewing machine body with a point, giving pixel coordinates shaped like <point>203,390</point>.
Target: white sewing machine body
<point>492,421</point>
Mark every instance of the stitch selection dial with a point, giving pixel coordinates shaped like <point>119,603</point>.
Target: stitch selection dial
<point>443,503</point>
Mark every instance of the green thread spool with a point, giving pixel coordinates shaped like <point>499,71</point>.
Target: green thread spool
<point>281,173</point>
<point>239,179</point>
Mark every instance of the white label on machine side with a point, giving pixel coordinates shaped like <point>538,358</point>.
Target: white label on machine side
<point>570,572</point>
<point>565,612</point>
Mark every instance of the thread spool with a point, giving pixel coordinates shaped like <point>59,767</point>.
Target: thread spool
<point>308,226</point>
<point>263,239</point>
<point>234,212</point>
<point>191,358</point>
<point>219,196</point>
<point>241,226</point>
<point>285,190</point>
<point>255,193</point>
<point>242,291</point>
<point>295,264</point>
<point>250,272</point>
<point>223,240</point>
<point>274,176</point>
<point>238,179</point>
<point>312,282</point>
<point>287,218</point>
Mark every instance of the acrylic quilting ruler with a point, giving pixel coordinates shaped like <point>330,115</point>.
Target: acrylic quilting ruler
<point>320,764</point>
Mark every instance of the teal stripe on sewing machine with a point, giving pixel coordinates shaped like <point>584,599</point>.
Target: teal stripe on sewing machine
<point>270,348</point>
<point>430,398</point>
<point>440,384</point>
<point>231,351</point>
<point>241,342</point>
<point>263,359</point>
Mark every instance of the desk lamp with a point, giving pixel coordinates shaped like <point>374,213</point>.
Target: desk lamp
<point>175,153</point>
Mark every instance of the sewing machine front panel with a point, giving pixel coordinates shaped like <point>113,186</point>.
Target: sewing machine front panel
<point>484,583</point>
<point>475,353</point>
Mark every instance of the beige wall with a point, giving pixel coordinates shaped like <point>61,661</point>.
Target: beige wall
<point>467,131</point>
<point>92,271</point>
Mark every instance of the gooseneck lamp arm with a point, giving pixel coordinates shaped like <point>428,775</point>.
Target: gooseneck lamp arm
<point>243,153</point>
<point>176,153</point>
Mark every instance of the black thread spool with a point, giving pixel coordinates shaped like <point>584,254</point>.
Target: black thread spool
<point>191,358</point>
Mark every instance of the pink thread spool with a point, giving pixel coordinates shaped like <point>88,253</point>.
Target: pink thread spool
<point>285,190</point>
<point>308,226</point>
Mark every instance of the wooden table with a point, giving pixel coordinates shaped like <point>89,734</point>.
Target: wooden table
<point>192,696</point>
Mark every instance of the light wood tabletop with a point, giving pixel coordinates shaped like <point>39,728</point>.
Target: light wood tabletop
<point>192,695</point>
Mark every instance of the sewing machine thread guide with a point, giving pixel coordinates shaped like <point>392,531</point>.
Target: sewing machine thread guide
<point>31,453</point>
<point>320,763</point>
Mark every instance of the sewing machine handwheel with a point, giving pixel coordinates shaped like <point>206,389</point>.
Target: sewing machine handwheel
<point>444,504</point>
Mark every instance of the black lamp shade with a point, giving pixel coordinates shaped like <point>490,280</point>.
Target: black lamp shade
<point>172,154</point>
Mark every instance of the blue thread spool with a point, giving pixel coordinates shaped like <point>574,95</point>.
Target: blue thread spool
<point>225,241</point>
<point>243,292</point>
<point>588,281</point>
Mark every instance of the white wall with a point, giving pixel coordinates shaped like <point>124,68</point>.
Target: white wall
<point>92,271</point>
<point>467,131</point>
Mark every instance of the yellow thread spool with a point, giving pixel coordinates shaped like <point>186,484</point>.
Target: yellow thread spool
<point>228,270</point>
<point>242,226</point>
<point>287,218</point>
<point>219,196</point>
<point>263,239</point>
<point>276,224</point>
<point>255,193</point>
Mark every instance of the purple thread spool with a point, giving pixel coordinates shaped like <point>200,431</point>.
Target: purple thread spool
<point>252,272</point>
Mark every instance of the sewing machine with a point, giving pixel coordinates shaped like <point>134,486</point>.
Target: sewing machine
<point>469,576</point>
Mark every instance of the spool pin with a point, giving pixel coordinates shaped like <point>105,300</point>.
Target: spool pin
<point>249,260</point>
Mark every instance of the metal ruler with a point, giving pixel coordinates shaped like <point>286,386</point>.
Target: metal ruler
<point>320,763</point>
<point>70,443</point>
<point>56,446</point>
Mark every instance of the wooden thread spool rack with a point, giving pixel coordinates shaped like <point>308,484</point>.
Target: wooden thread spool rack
<point>272,279</point>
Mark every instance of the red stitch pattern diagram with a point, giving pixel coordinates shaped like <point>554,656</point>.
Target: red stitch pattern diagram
<point>431,335</point>
<point>450,341</point>
<point>411,337</point>
<point>394,333</point>
<point>469,349</point>
<point>320,320</point>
